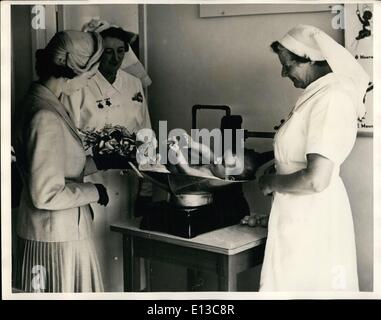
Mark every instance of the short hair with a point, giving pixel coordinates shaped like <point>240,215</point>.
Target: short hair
<point>276,46</point>
<point>46,67</point>
<point>119,33</point>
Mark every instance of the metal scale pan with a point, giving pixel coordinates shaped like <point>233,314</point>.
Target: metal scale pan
<point>186,191</point>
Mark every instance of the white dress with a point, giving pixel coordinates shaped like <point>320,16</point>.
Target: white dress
<point>101,103</point>
<point>311,243</point>
<point>95,105</point>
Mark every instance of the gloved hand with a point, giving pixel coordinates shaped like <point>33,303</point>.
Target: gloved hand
<point>111,161</point>
<point>270,170</point>
<point>103,196</point>
<point>143,206</point>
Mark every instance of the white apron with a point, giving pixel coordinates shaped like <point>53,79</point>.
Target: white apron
<point>94,106</point>
<point>311,244</point>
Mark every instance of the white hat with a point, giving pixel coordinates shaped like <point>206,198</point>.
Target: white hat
<point>311,42</point>
<point>131,63</point>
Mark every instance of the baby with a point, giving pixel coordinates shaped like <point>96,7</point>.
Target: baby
<point>230,166</point>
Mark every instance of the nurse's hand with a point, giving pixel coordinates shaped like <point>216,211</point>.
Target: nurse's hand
<point>265,184</point>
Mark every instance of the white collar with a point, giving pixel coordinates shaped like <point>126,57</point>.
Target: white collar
<point>315,87</point>
<point>104,86</point>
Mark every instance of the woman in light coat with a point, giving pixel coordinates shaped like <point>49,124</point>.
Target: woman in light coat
<point>55,223</point>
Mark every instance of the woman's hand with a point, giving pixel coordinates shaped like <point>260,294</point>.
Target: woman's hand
<point>266,183</point>
<point>270,170</point>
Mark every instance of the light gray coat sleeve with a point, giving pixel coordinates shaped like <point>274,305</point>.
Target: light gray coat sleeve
<point>49,187</point>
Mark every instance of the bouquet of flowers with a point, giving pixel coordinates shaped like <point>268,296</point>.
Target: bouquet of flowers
<point>111,140</point>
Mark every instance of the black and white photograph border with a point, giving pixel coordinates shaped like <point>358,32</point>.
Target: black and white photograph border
<point>206,71</point>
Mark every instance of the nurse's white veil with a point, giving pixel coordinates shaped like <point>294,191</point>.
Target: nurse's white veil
<point>311,42</point>
<point>131,63</point>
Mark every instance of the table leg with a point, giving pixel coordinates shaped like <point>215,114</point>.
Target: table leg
<point>128,263</point>
<point>227,274</point>
<point>195,281</point>
<point>191,278</point>
<point>147,270</point>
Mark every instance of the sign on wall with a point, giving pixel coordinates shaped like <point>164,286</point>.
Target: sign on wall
<point>359,41</point>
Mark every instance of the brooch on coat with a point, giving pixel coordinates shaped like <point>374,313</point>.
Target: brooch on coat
<point>107,101</point>
<point>282,122</point>
<point>138,97</point>
<point>278,126</point>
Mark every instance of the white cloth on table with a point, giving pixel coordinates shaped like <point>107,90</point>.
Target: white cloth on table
<point>311,243</point>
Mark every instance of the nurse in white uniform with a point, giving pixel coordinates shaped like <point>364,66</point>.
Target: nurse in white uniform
<point>112,97</point>
<point>311,243</point>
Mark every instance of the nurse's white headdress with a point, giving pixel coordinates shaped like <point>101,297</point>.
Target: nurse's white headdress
<point>310,42</point>
<point>131,63</point>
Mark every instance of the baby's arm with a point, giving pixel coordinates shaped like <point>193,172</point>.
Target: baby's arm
<point>184,167</point>
<point>359,16</point>
<point>221,169</point>
<point>199,148</point>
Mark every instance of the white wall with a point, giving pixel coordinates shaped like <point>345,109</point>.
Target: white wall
<point>221,61</point>
<point>123,15</point>
<point>228,61</point>
<point>357,175</point>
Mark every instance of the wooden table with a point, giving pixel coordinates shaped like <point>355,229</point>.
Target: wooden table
<point>225,252</point>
